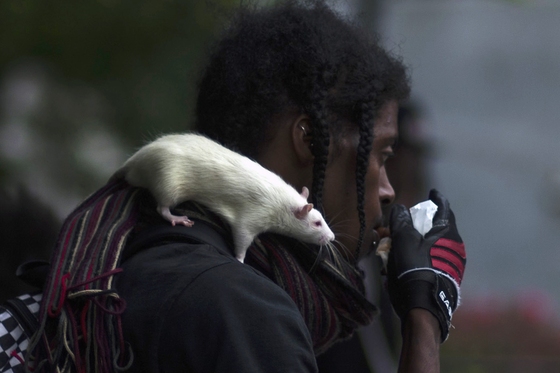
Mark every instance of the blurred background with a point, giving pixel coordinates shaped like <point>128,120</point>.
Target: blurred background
<point>83,84</point>
<point>487,76</point>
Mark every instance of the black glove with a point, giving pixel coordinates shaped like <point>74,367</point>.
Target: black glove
<point>426,272</point>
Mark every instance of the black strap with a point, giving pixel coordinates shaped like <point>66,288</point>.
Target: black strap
<point>25,318</point>
<point>34,273</point>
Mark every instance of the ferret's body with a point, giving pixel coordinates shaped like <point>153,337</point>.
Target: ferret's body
<point>178,168</point>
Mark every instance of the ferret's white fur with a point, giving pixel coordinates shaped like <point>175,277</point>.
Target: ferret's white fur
<point>182,167</point>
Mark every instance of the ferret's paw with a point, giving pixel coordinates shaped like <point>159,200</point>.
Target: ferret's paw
<point>174,219</point>
<point>181,220</point>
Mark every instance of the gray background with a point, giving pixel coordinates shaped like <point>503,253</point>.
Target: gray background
<point>488,73</point>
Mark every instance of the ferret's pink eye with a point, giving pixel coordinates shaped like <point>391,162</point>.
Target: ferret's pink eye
<point>318,223</point>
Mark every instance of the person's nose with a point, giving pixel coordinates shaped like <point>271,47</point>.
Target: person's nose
<point>386,191</point>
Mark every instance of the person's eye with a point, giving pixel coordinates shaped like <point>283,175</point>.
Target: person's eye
<point>387,155</point>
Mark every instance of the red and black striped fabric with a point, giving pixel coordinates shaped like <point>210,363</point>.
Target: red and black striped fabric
<point>449,256</point>
<point>80,312</point>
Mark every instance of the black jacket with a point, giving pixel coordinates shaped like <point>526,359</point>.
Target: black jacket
<point>192,307</point>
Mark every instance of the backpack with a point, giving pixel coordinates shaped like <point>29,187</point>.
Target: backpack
<point>18,322</point>
<point>19,316</point>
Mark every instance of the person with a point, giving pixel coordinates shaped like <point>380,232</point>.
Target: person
<point>313,98</point>
<point>374,348</point>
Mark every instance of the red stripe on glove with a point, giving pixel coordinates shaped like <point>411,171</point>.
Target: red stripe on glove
<point>449,256</point>
<point>444,266</point>
<point>459,248</point>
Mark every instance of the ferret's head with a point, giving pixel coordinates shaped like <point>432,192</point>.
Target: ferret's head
<point>307,224</point>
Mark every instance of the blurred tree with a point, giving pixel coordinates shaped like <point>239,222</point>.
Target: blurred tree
<point>85,82</point>
<point>139,54</point>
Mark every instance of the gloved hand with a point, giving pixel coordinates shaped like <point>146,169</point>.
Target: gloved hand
<point>426,272</point>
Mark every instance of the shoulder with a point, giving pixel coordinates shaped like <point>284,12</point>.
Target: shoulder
<point>201,310</point>
<point>239,321</point>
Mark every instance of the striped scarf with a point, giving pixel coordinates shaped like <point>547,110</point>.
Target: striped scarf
<point>330,297</point>
<point>80,311</point>
<point>80,323</point>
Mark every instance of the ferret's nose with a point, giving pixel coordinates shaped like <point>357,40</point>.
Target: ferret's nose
<point>328,237</point>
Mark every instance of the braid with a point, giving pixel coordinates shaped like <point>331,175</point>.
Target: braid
<point>321,137</point>
<point>365,128</point>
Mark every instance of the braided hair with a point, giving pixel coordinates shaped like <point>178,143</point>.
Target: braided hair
<point>305,57</point>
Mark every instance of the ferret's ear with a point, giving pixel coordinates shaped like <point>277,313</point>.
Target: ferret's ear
<point>301,139</point>
<point>305,193</point>
<point>302,213</point>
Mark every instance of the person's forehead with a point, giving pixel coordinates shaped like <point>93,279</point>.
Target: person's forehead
<point>386,123</point>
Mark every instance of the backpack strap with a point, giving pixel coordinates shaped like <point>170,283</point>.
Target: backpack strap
<point>34,273</point>
<point>23,315</point>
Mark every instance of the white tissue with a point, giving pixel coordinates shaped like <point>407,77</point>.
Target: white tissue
<point>422,215</point>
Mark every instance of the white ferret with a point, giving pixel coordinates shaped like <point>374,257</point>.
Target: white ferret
<point>183,167</point>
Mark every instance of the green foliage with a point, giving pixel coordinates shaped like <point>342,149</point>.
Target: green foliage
<point>142,55</point>
<point>121,70</point>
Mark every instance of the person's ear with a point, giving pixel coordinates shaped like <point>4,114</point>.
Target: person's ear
<point>302,139</point>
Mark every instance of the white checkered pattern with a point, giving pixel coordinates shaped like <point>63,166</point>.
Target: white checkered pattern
<point>12,337</point>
